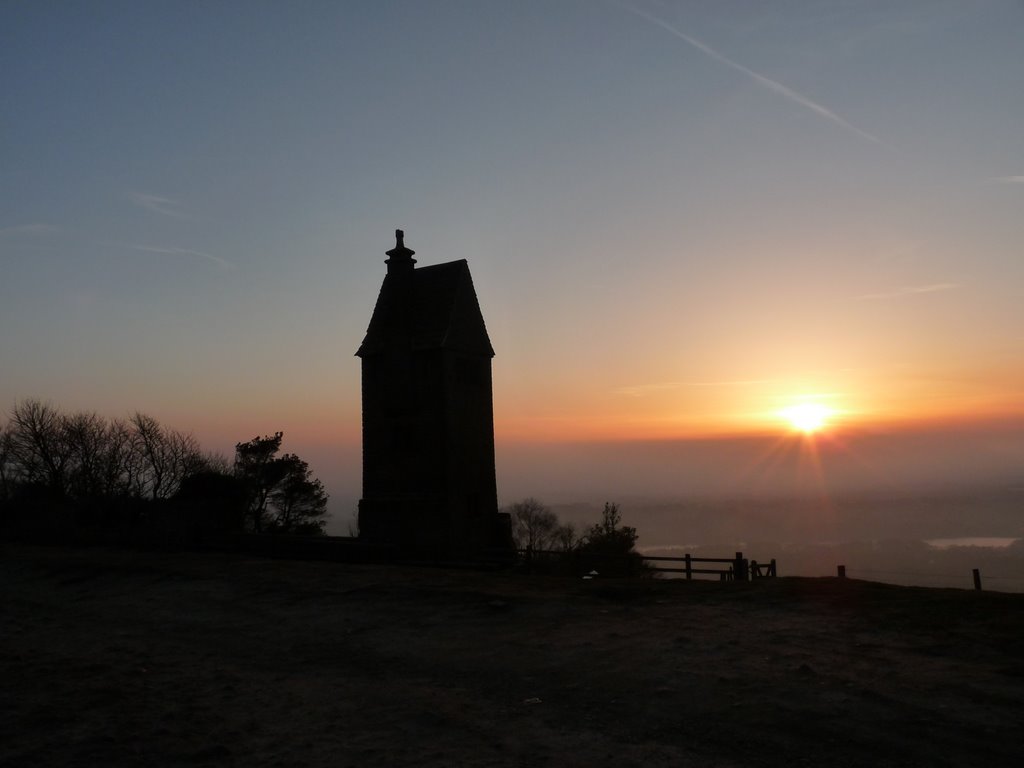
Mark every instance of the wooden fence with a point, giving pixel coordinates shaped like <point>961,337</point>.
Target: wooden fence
<point>736,568</point>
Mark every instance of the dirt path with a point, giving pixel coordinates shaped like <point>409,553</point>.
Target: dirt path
<point>115,658</point>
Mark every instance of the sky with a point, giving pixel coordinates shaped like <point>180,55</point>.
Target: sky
<point>680,217</point>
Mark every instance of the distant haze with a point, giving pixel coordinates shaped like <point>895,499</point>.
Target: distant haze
<point>760,470</point>
<point>788,465</point>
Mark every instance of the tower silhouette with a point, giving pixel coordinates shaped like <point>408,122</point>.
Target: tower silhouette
<point>428,424</point>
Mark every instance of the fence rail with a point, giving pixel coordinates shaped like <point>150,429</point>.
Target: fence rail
<point>737,568</point>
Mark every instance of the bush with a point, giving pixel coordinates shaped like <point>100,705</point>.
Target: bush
<point>608,547</point>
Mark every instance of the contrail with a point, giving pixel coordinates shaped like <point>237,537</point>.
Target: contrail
<point>185,252</point>
<point>772,85</point>
<point>29,229</point>
<point>911,290</point>
<point>156,204</point>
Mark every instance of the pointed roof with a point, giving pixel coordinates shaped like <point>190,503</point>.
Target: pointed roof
<point>431,307</point>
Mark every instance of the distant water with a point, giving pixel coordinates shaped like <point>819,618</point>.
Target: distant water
<point>995,542</point>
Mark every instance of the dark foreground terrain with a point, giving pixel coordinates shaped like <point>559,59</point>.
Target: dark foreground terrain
<point>121,658</point>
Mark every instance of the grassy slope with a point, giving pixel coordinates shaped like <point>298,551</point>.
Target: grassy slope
<point>124,658</point>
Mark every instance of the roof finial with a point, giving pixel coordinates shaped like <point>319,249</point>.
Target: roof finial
<point>400,255</point>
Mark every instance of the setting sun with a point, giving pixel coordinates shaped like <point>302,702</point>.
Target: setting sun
<point>806,417</point>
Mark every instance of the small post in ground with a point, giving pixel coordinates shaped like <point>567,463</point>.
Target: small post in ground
<point>741,568</point>
<point>841,571</point>
<point>977,579</point>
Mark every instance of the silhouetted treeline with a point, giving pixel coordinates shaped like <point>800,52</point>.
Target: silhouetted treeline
<point>81,478</point>
<point>607,547</point>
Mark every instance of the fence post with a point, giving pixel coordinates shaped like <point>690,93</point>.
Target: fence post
<point>977,579</point>
<point>841,571</point>
<point>740,569</point>
<point>771,569</point>
<point>689,571</point>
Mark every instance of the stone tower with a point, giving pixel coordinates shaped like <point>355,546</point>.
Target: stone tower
<point>428,423</point>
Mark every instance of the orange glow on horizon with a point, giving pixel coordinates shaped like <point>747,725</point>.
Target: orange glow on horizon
<point>575,425</point>
<point>733,401</point>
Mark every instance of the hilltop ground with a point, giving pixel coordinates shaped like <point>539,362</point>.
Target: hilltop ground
<point>121,658</point>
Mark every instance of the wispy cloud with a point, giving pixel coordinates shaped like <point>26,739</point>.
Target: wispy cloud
<point>911,290</point>
<point>1007,180</point>
<point>772,85</point>
<point>184,252</point>
<point>165,206</point>
<point>641,390</point>
<point>28,230</point>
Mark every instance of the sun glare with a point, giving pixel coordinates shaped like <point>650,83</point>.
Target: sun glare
<point>806,417</point>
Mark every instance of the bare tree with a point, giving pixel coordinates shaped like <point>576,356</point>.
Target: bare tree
<point>86,436</point>
<point>186,458</point>
<point>565,538</point>
<point>216,462</point>
<point>80,468</point>
<point>38,444</point>
<point>150,447</point>
<point>7,466</point>
<point>164,457</point>
<point>118,463</point>
<point>533,524</point>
